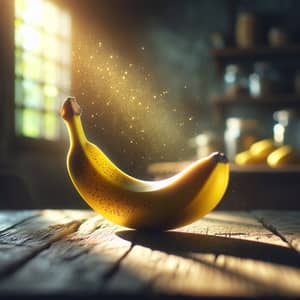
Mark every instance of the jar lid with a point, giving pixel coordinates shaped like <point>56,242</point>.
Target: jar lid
<point>284,116</point>
<point>242,123</point>
<point>232,68</point>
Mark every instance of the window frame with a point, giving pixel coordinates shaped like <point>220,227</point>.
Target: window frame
<point>10,142</point>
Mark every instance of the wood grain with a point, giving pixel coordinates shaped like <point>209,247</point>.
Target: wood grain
<point>228,254</point>
<point>25,239</point>
<point>285,224</point>
<point>225,254</point>
<point>78,262</point>
<point>11,218</point>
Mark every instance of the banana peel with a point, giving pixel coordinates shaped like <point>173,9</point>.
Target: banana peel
<point>130,202</point>
<point>245,158</point>
<point>283,156</point>
<point>256,154</point>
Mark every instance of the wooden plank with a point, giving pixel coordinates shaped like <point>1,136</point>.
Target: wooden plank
<point>237,224</point>
<point>224,254</point>
<point>23,241</point>
<point>286,224</point>
<point>11,218</point>
<point>79,262</point>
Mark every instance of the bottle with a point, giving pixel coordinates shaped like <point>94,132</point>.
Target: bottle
<point>265,80</point>
<point>247,30</point>
<point>239,135</point>
<point>287,129</point>
<point>235,80</point>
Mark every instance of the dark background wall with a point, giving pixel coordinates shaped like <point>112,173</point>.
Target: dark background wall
<point>172,77</point>
<point>168,43</point>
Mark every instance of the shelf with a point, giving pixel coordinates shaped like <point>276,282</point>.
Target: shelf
<point>276,100</point>
<point>237,55</point>
<point>256,186</point>
<point>256,53</point>
<point>264,169</point>
<point>166,169</point>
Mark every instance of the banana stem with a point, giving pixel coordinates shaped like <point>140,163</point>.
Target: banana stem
<point>71,115</point>
<point>76,132</point>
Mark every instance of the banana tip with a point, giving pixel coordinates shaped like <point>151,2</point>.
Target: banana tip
<point>220,157</point>
<point>70,108</point>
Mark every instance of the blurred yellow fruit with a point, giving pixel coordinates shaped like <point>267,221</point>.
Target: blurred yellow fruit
<point>262,149</point>
<point>257,153</point>
<point>244,158</point>
<point>284,155</point>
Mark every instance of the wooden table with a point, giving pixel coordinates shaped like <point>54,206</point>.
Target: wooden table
<point>78,253</point>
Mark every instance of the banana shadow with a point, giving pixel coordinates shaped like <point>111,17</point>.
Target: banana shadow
<point>186,244</point>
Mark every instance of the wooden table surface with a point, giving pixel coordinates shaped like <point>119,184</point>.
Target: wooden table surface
<point>78,253</point>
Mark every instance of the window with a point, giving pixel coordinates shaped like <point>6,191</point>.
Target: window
<point>42,67</point>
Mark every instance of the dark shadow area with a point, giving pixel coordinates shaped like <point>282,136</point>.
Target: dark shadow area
<point>14,192</point>
<point>182,243</point>
<point>273,189</point>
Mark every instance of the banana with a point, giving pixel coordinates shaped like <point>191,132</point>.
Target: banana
<point>262,149</point>
<point>284,155</point>
<point>130,202</point>
<point>245,158</point>
<point>256,154</point>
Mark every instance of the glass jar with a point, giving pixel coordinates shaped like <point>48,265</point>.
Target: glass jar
<point>239,135</point>
<point>287,129</point>
<point>235,80</point>
<point>247,30</point>
<point>265,80</point>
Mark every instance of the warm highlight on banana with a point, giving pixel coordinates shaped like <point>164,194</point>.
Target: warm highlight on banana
<point>139,204</point>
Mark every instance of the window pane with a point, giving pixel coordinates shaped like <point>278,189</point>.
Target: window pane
<point>33,11</point>
<point>19,67</point>
<point>18,121</point>
<point>65,81</point>
<point>32,38</point>
<point>51,72</point>
<point>32,94</point>
<point>32,67</point>
<point>42,66</point>
<point>51,13</point>
<point>18,32</point>
<point>51,47</point>
<point>51,97</point>
<point>19,8</point>
<point>19,95</point>
<point>31,126</point>
<point>65,25</point>
<point>50,126</point>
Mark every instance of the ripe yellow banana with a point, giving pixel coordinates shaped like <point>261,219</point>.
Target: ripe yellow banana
<point>256,154</point>
<point>284,155</point>
<point>245,158</point>
<point>134,203</point>
<point>262,149</point>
